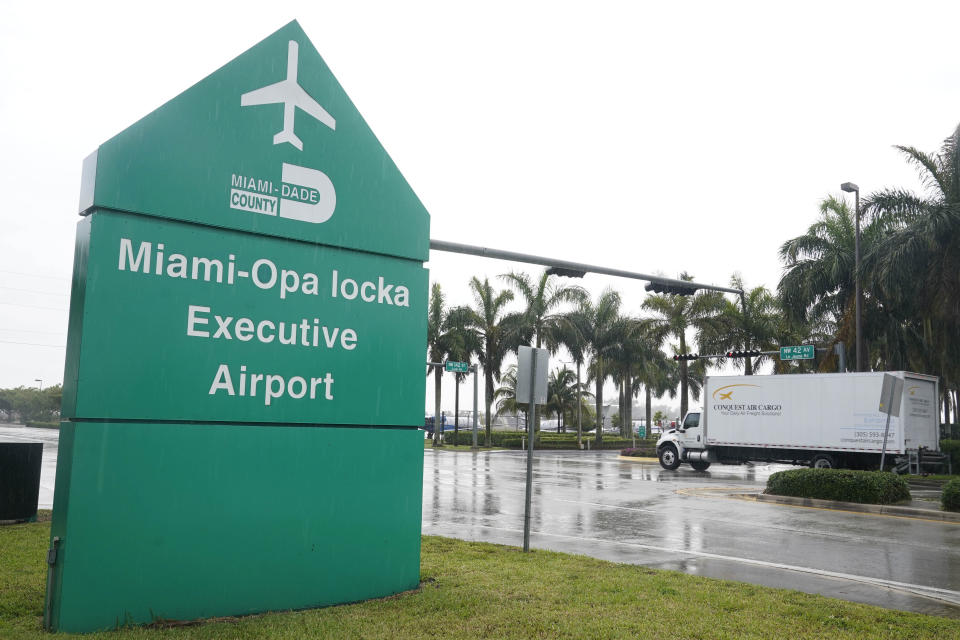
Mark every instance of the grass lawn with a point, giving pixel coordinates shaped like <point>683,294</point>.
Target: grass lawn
<point>473,590</point>
<point>933,478</point>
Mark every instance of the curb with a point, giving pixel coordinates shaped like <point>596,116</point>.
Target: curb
<point>636,459</point>
<point>885,509</point>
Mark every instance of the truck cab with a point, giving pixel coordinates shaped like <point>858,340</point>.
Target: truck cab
<point>684,444</point>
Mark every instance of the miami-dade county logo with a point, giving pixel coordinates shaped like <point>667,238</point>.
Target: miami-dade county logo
<point>303,194</point>
<point>726,404</point>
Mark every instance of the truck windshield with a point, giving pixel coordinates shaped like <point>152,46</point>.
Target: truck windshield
<point>692,420</point>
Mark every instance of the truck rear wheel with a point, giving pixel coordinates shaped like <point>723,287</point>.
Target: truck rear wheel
<point>823,461</point>
<point>669,457</point>
<point>700,465</point>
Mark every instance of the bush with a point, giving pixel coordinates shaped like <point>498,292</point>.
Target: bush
<point>640,452</point>
<point>950,500</point>
<point>42,425</point>
<point>952,449</point>
<point>868,487</point>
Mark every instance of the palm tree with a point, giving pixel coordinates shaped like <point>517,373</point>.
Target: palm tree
<point>789,330</point>
<point>494,332</point>
<point>602,331</point>
<point>571,335</point>
<point>915,269</point>
<point>440,342</point>
<point>564,395</point>
<point>749,323</point>
<point>464,342</point>
<point>542,298</point>
<point>673,315</point>
<point>506,394</point>
<point>818,279</point>
<point>628,360</point>
<point>658,377</point>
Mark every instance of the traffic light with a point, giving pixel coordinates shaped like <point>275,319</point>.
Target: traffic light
<point>686,356</point>
<point>675,289</point>
<point>753,353</point>
<point>566,273</point>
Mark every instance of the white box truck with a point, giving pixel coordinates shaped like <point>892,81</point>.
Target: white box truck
<point>830,420</point>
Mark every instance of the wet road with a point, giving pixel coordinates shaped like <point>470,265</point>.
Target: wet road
<point>594,504</point>
<point>48,469</point>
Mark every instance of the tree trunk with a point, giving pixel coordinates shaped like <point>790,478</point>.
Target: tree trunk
<point>579,410</point>
<point>621,409</point>
<point>599,400</point>
<point>628,405</point>
<point>488,399</point>
<point>437,423</point>
<point>747,366</point>
<point>649,397</point>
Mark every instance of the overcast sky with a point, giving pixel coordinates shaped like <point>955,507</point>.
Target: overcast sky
<point>661,138</point>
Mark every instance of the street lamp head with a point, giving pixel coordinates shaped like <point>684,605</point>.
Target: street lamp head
<point>849,187</point>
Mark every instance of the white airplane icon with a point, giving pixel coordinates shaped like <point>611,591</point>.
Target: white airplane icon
<point>292,95</point>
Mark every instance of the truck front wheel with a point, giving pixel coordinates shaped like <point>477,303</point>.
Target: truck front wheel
<point>700,465</point>
<point>669,458</point>
<point>823,461</point>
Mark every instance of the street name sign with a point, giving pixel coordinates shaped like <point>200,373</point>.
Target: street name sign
<point>802,352</point>
<point>458,367</point>
<point>242,385</point>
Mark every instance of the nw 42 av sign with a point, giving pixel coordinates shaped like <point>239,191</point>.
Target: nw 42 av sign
<point>803,352</point>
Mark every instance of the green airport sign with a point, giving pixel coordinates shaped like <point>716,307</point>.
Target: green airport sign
<point>246,344</point>
<point>458,367</point>
<point>802,352</point>
<point>270,143</point>
<point>181,322</point>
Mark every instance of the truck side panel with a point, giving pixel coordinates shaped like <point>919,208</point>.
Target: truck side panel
<point>822,412</point>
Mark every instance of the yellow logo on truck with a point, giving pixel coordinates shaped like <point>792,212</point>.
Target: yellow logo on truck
<point>727,395</point>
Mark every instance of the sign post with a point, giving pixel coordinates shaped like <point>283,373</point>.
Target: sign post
<point>893,391</point>
<point>532,369</point>
<point>247,255</point>
<point>476,369</point>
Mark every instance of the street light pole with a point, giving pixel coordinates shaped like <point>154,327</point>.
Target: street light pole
<point>747,364</point>
<point>850,187</point>
<point>40,381</point>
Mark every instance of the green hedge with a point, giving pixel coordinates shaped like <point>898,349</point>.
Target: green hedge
<point>545,440</point>
<point>640,452</point>
<point>42,425</point>
<point>952,449</point>
<point>950,500</point>
<point>869,487</point>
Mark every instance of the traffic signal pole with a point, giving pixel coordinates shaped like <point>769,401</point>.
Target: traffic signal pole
<point>566,267</point>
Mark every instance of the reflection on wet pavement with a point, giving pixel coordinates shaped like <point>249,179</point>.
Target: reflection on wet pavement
<point>594,504</point>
